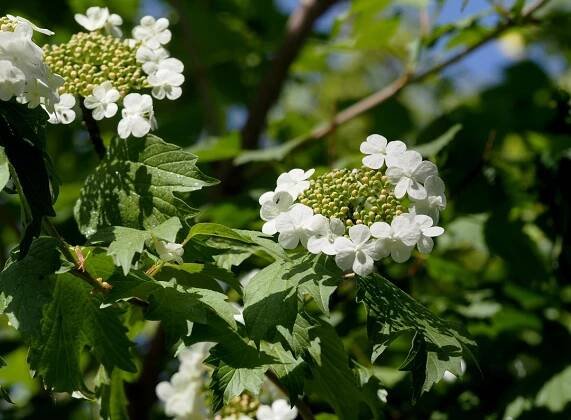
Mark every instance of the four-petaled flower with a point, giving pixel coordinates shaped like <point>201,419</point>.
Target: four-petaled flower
<point>294,181</point>
<point>169,251</point>
<point>379,152</point>
<point>99,17</point>
<point>324,232</point>
<point>153,33</point>
<point>397,239</point>
<point>408,173</point>
<point>138,117</point>
<point>167,78</point>
<point>273,204</point>
<point>293,226</point>
<point>279,410</point>
<point>427,232</point>
<point>357,252</point>
<point>435,200</point>
<point>102,101</point>
<point>63,110</point>
<point>151,58</point>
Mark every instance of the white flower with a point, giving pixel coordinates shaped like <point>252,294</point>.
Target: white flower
<point>138,117</point>
<point>183,397</point>
<point>12,80</point>
<point>294,181</point>
<point>102,101</point>
<point>169,251</point>
<point>293,226</point>
<point>279,410</point>
<point>397,239</point>
<point>273,204</point>
<point>357,252</point>
<point>380,152</point>
<point>409,173</point>
<point>93,19</point>
<point>21,20</point>
<point>153,33</point>
<point>450,377</point>
<point>382,395</point>
<point>166,80</point>
<point>150,58</point>
<point>192,358</point>
<point>324,232</point>
<point>112,25</point>
<point>427,232</point>
<point>63,110</point>
<point>435,200</point>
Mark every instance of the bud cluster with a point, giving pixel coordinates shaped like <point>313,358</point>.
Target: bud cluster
<point>7,24</point>
<point>241,405</point>
<point>89,59</point>
<point>358,196</point>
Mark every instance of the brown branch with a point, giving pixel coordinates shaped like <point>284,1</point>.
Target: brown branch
<point>299,27</point>
<point>93,130</point>
<point>303,409</point>
<point>198,72</point>
<point>407,78</point>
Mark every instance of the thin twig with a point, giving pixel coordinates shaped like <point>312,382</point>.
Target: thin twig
<point>407,78</point>
<point>93,130</point>
<point>303,409</point>
<point>299,28</point>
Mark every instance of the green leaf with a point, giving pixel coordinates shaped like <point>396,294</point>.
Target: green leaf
<point>126,242</point>
<point>288,369</point>
<point>73,320</point>
<point>26,285</point>
<point>198,275</point>
<point>556,393</point>
<point>140,184</point>
<point>216,149</point>
<point>276,153</point>
<point>437,345</point>
<point>113,398</point>
<point>4,169</point>
<point>432,148</point>
<point>215,230</point>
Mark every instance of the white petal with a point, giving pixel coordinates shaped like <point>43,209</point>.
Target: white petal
<point>381,230</point>
<point>337,227</point>
<point>402,187</point>
<point>344,259</point>
<point>267,196</point>
<point>111,110</point>
<point>410,160</point>
<point>396,147</point>
<point>425,244</point>
<point>376,142</point>
<point>423,221</point>
<point>434,185</point>
<point>400,252</point>
<point>394,173</point>
<point>424,170</point>
<point>288,239</point>
<point>319,225</point>
<point>374,161</point>
<point>433,231</point>
<point>315,244</point>
<point>363,264</point>
<point>415,190</point>
<point>359,234</point>
<point>343,244</point>
<point>269,228</point>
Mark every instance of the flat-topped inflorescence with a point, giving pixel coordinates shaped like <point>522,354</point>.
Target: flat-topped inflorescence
<point>387,207</point>
<point>104,71</point>
<point>90,59</point>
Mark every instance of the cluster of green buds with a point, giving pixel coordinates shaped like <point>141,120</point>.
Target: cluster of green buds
<point>242,405</point>
<point>357,196</point>
<point>90,59</point>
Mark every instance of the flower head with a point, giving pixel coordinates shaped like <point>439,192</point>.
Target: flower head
<point>427,232</point>
<point>357,252</point>
<point>379,152</point>
<point>167,78</point>
<point>408,173</point>
<point>138,116</point>
<point>93,19</point>
<point>273,204</point>
<point>324,232</point>
<point>152,33</point>
<point>435,200</point>
<point>279,410</point>
<point>103,101</point>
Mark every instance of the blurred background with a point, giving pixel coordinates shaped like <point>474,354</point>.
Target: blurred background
<point>479,86</point>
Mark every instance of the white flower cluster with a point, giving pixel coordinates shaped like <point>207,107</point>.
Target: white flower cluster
<point>163,74</point>
<point>183,395</point>
<point>23,73</point>
<point>356,245</point>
